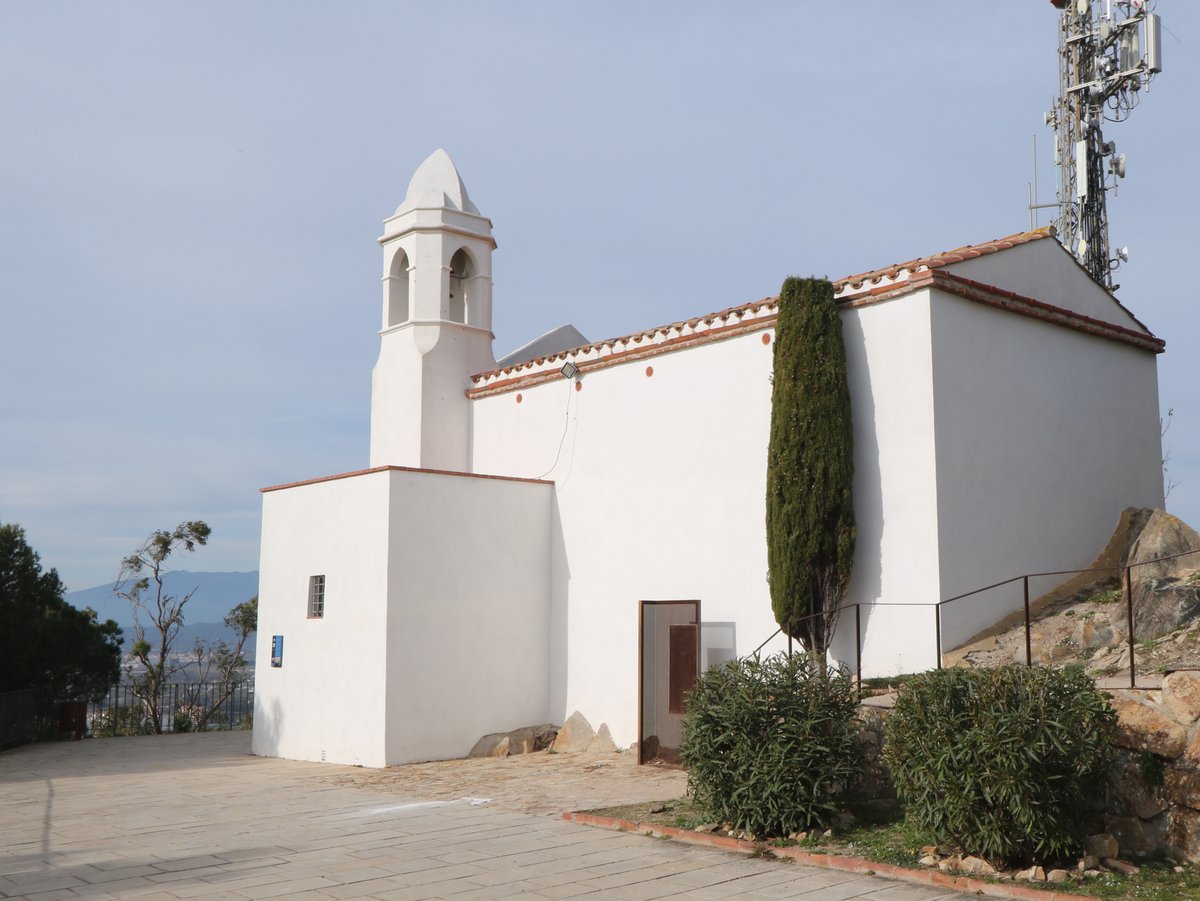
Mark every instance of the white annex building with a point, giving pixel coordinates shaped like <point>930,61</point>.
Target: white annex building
<point>503,560</point>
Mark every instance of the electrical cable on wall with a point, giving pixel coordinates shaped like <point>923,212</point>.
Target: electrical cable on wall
<point>566,427</point>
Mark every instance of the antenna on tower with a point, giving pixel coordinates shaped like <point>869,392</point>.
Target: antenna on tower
<point>1108,52</point>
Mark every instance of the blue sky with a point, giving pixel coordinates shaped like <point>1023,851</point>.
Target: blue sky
<point>189,279</point>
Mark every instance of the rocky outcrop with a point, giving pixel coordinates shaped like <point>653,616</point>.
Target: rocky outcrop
<point>1086,619</point>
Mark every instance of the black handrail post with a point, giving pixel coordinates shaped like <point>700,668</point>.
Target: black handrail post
<point>1028,638</point>
<point>858,645</point>
<point>937,609</point>
<point>1129,610</point>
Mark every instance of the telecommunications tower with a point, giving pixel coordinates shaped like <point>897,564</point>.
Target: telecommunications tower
<point>1108,52</point>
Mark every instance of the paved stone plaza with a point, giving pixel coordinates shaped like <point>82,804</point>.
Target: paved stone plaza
<point>195,816</point>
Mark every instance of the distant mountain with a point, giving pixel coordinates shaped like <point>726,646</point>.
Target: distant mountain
<point>214,595</point>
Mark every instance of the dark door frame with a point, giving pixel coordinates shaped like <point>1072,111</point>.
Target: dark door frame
<point>641,664</point>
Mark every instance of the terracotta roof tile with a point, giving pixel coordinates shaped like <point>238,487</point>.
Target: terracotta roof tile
<point>732,320</point>
<point>938,260</point>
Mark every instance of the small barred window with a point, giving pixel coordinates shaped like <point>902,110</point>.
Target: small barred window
<point>316,597</point>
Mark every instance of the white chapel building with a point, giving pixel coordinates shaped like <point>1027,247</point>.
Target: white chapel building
<point>581,526</point>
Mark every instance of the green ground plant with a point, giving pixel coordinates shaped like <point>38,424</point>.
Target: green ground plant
<point>1004,763</point>
<point>770,744</point>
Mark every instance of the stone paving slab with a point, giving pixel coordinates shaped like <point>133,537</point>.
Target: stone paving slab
<point>195,816</point>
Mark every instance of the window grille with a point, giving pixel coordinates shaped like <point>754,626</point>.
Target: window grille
<point>316,597</point>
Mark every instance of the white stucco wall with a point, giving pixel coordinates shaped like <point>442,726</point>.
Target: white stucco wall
<point>659,485</point>
<point>327,700</point>
<point>436,627</point>
<point>468,631</point>
<point>889,366</point>
<point>1044,435</point>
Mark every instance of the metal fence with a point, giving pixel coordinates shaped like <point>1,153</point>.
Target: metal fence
<point>1126,580</point>
<point>181,707</point>
<point>24,715</point>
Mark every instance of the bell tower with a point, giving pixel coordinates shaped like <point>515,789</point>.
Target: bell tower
<point>437,322</point>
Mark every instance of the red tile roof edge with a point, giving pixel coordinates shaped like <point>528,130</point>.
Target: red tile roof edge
<point>969,251</point>
<point>376,469</point>
<point>938,260</point>
<point>1011,302</point>
<point>922,269</point>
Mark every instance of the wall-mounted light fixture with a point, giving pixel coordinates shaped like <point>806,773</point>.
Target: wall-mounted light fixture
<point>569,370</point>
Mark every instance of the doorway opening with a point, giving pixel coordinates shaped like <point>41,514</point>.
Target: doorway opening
<point>668,666</point>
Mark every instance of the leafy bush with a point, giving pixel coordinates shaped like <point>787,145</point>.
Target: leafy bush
<point>1002,762</point>
<point>770,745</point>
<point>123,720</point>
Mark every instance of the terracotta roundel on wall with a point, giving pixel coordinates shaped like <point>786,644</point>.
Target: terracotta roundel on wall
<point>766,338</point>
<point>519,398</point>
<point>578,385</point>
<point>649,371</point>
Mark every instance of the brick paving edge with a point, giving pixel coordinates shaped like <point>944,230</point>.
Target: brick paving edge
<point>830,861</point>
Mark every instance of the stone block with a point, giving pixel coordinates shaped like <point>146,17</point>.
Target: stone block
<point>1033,874</point>
<point>1183,835</point>
<point>1101,845</point>
<point>494,745</point>
<point>575,735</point>
<point>1136,837</point>
<point>602,742</point>
<point>1133,794</point>
<point>1183,786</point>
<point>1144,726</point>
<point>525,740</point>
<point>1191,754</point>
<point>977,866</point>
<point>1181,695</point>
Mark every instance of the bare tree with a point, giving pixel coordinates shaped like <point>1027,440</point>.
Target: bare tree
<point>222,665</point>
<point>140,582</point>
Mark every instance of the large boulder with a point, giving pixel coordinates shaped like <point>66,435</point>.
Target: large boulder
<point>525,740</point>
<point>1161,537</point>
<point>1181,695</point>
<point>1143,726</point>
<point>1163,598</point>
<point>1163,605</point>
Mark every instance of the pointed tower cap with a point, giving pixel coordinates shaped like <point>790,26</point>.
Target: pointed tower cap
<point>436,184</point>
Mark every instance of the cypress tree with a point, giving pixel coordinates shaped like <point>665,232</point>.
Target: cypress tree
<point>810,466</point>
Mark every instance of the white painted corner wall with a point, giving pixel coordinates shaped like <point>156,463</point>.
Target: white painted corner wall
<point>468,630</point>
<point>326,702</point>
<point>436,623</point>
<point>1044,435</point>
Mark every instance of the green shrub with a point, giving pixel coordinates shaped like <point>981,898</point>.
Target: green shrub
<point>1003,762</point>
<point>125,720</point>
<point>770,745</point>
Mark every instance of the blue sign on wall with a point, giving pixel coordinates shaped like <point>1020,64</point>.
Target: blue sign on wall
<point>276,650</point>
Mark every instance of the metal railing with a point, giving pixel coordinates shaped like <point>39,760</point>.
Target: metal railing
<point>1127,589</point>
<point>181,707</point>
